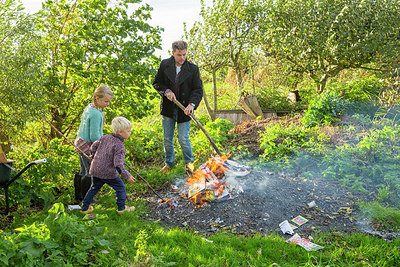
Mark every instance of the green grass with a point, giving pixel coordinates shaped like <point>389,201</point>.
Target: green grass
<point>133,241</point>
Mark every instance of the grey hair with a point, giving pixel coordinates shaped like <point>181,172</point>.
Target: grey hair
<point>119,124</point>
<point>179,45</point>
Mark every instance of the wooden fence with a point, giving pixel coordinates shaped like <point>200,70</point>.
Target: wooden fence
<point>239,116</point>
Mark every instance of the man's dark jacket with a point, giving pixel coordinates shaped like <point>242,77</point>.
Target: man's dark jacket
<point>189,90</point>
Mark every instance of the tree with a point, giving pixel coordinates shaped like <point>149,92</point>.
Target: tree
<point>237,22</point>
<point>222,39</point>
<point>20,75</point>
<point>323,37</point>
<point>95,42</point>
<point>207,51</point>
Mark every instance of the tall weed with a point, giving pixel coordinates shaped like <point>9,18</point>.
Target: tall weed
<point>324,110</point>
<point>280,141</point>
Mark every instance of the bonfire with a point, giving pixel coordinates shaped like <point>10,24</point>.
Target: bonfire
<point>206,182</point>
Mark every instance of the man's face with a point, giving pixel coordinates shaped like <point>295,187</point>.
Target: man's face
<point>180,56</point>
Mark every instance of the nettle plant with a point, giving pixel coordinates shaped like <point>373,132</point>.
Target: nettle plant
<point>280,141</point>
<point>324,110</point>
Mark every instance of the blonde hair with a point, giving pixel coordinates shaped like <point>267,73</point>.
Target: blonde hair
<point>119,124</point>
<point>101,92</point>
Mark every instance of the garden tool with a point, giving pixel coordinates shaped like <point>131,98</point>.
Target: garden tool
<point>230,164</point>
<point>201,127</point>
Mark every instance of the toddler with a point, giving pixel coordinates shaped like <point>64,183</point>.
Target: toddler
<point>108,165</point>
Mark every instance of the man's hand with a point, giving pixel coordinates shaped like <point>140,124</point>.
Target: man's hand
<point>130,180</point>
<point>171,96</point>
<point>189,109</point>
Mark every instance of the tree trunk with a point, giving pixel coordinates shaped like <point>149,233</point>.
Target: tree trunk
<point>214,74</point>
<point>321,85</point>
<point>58,122</point>
<point>343,92</point>
<point>210,112</point>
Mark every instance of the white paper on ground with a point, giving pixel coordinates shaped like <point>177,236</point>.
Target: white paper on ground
<point>74,207</point>
<point>285,227</point>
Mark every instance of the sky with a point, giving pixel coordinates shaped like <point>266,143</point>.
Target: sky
<point>168,14</point>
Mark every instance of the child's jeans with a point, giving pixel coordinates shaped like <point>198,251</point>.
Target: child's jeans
<point>117,184</point>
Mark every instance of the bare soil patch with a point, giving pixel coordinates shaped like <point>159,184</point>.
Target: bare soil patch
<point>266,199</point>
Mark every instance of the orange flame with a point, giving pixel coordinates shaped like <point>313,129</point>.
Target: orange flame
<point>219,191</point>
<point>164,200</point>
<point>206,176</point>
<point>190,166</point>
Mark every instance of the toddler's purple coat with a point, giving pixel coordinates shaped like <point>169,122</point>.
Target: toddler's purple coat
<point>109,157</point>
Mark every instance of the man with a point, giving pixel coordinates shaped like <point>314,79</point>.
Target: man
<point>178,79</point>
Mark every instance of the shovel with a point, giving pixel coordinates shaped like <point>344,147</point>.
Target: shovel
<point>201,127</point>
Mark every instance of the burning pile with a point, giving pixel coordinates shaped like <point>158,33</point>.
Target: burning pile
<point>205,183</point>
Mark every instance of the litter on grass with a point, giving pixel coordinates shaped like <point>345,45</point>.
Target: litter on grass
<point>304,243</point>
<point>209,241</point>
<point>89,216</point>
<point>74,207</point>
<point>299,220</point>
<point>293,226</point>
<point>312,204</point>
<point>285,227</point>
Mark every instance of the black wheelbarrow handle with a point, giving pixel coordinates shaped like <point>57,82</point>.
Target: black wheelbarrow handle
<point>6,185</point>
<point>23,170</point>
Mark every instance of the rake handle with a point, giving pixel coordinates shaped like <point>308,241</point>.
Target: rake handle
<point>201,127</point>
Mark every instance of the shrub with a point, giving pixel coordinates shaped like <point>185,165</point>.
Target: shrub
<point>61,240</point>
<point>368,162</point>
<point>363,95</point>
<point>38,184</point>
<point>390,217</point>
<point>276,99</point>
<point>281,140</point>
<point>363,90</point>
<point>324,110</point>
<point>146,142</point>
<point>219,133</point>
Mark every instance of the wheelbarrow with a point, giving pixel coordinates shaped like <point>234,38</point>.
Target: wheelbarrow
<point>5,173</point>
